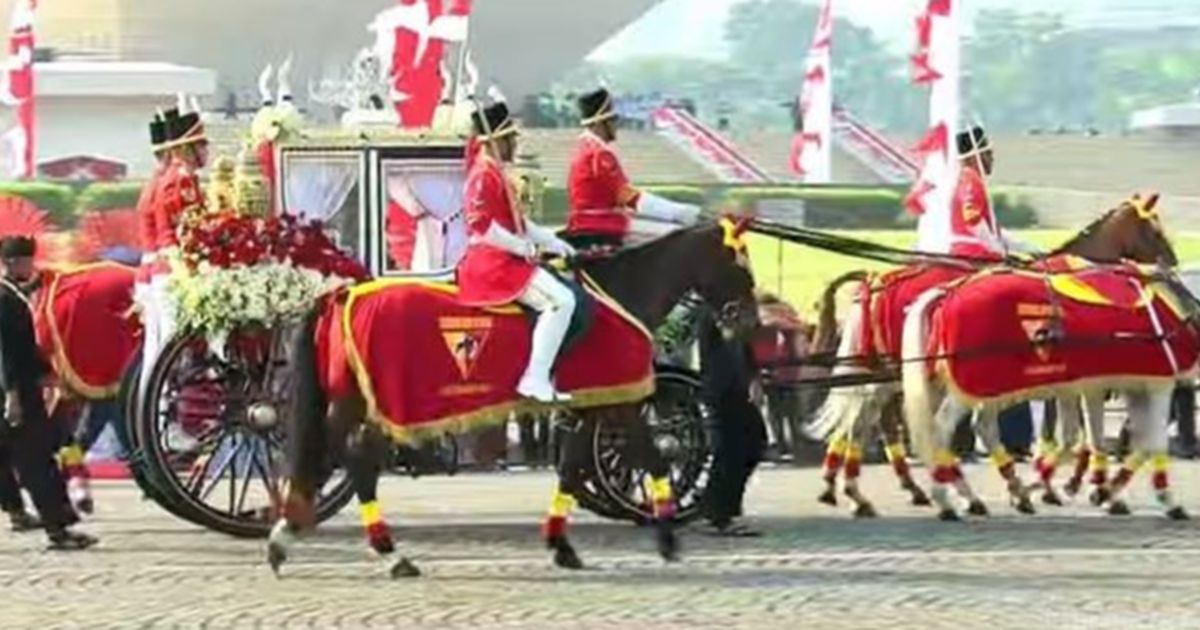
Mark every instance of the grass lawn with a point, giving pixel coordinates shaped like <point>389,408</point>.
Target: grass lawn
<point>803,272</point>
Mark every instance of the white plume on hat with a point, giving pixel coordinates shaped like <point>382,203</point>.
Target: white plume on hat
<point>285,86</point>
<point>496,95</point>
<point>264,86</point>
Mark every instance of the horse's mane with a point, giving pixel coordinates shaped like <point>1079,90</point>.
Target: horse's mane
<point>636,253</point>
<point>1086,232</point>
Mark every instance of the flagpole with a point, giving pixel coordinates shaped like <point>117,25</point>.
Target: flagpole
<point>462,63</point>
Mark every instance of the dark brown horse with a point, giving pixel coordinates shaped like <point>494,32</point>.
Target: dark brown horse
<point>647,281</point>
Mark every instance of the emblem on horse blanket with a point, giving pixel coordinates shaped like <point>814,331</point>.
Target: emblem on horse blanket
<point>85,326</point>
<point>1007,335</point>
<point>426,363</point>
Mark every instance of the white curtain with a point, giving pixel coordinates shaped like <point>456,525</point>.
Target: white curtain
<point>434,197</point>
<point>317,189</point>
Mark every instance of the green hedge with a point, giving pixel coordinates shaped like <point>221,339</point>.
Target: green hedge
<point>117,196</point>
<point>842,208</point>
<point>56,199</point>
<point>555,204</point>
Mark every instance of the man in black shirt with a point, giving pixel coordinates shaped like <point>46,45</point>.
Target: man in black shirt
<point>26,431</point>
<point>737,429</point>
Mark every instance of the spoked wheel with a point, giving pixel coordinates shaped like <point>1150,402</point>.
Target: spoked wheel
<point>677,429</point>
<point>212,434</point>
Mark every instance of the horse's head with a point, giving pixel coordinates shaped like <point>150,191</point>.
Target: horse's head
<point>1140,232</point>
<point>722,276</point>
<point>1131,231</point>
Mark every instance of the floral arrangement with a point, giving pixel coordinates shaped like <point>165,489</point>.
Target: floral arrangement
<point>233,271</point>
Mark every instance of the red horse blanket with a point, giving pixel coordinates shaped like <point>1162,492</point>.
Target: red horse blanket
<point>1007,335</point>
<point>891,295</point>
<point>427,364</point>
<point>85,326</point>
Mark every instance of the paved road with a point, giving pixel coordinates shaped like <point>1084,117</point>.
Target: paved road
<point>474,536</point>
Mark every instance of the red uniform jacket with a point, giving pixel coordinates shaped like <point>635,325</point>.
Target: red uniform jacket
<point>147,224</point>
<point>177,192</point>
<point>973,227</point>
<point>488,275</point>
<point>599,194</point>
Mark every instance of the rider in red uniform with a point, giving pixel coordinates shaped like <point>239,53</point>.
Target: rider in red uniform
<point>602,201</point>
<point>500,262</point>
<point>145,204</point>
<point>974,231</point>
<point>176,193</point>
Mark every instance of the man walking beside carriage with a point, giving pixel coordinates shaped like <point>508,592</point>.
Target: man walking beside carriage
<point>26,432</point>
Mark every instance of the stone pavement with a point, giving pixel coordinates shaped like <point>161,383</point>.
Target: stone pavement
<point>475,538</point>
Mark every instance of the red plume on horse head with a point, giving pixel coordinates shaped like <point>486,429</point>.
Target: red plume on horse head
<point>21,217</point>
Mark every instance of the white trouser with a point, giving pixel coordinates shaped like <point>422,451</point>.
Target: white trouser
<point>555,304</point>
<point>158,325</point>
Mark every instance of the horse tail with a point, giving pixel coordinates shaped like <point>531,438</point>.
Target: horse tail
<point>918,386</point>
<point>308,433</point>
<point>825,338</point>
<point>844,405</point>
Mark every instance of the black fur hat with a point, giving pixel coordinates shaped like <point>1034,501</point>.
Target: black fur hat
<point>18,247</point>
<point>158,131</point>
<point>596,106</point>
<point>493,121</point>
<point>973,141</point>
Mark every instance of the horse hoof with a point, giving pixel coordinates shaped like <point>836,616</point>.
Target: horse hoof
<point>919,498</point>
<point>1177,513</point>
<point>1099,496</point>
<point>977,508</point>
<point>404,568</point>
<point>1072,487</point>
<point>1051,497</point>
<point>668,543</point>
<point>85,506</point>
<point>829,497</point>
<point>948,515</point>
<point>865,510</point>
<point>1118,508</point>
<point>276,556</point>
<point>566,558</point>
<point>1025,506</point>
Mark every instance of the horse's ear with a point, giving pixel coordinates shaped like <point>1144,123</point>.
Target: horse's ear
<point>742,225</point>
<point>1152,201</point>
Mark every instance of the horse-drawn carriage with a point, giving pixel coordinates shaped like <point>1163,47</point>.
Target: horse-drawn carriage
<point>208,438</point>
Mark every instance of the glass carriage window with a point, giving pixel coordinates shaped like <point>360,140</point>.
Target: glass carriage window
<point>423,220</point>
<point>326,188</point>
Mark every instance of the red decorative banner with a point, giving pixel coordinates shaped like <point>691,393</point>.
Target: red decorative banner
<point>16,91</point>
<point>412,38</point>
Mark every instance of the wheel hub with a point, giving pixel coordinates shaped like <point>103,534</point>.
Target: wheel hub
<point>668,445</point>
<point>262,416</point>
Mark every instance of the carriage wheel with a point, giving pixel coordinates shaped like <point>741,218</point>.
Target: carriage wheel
<point>212,433</point>
<point>677,429</point>
<point>135,457</point>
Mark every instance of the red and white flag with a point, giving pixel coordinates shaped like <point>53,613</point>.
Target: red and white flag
<point>936,65</point>
<point>412,37</point>
<point>16,91</point>
<point>812,146</point>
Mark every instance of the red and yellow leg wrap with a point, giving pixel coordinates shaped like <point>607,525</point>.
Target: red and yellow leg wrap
<point>1082,457</point>
<point>70,459</point>
<point>898,457</point>
<point>561,507</point>
<point>834,455</point>
<point>853,461</point>
<point>1129,467</point>
<point>1047,459</point>
<point>378,534</point>
<point>1099,464</point>
<point>662,497</point>
<point>945,467</point>
<point>1003,462</point>
<point>1159,464</point>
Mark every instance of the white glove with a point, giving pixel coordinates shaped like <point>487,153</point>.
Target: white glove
<point>548,240</point>
<point>498,236</point>
<point>654,207</point>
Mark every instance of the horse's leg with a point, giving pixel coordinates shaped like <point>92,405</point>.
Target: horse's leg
<point>641,453</point>
<point>892,425</point>
<point>65,415</point>
<point>946,469</point>
<point>835,455</point>
<point>1138,406</point>
<point>987,426</point>
<point>574,455</point>
<point>1094,449</point>
<point>365,450</point>
<point>1155,441</point>
<point>1050,449</point>
<point>855,436</point>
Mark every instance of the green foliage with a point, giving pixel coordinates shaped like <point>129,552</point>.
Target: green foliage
<point>57,200</point>
<point>1013,211</point>
<point>104,196</point>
